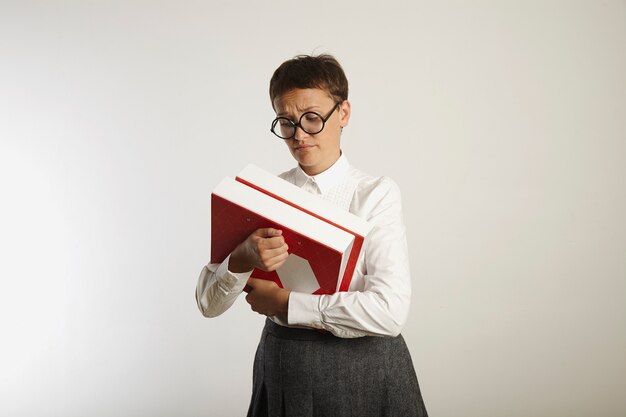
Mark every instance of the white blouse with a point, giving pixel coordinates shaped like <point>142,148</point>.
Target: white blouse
<point>377,302</point>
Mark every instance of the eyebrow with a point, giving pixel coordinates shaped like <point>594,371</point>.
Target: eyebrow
<point>304,110</point>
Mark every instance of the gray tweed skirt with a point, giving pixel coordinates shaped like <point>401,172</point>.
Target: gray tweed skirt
<point>307,373</point>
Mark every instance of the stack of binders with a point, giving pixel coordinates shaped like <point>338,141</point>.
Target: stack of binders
<point>324,240</point>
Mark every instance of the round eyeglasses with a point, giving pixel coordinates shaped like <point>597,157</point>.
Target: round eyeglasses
<point>311,122</point>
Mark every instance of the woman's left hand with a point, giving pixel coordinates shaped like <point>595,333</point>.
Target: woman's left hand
<point>267,298</point>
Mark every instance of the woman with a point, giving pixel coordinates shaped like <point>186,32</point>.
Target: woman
<point>325,355</point>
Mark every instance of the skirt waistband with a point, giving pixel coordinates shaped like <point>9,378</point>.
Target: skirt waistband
<point>292,333</point>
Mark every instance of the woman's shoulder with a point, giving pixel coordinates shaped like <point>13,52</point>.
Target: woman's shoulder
<point>373,194</point>
<point>371,184</point>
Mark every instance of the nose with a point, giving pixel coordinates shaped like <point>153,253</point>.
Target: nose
<point>300,134</point>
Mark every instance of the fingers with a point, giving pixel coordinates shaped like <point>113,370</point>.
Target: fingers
<point>269,248</point>
<point>272,251</point>
<point>273,259</point>
<point>258,282</point>
<point>271,243</point>
<point>268,232</point>
<point>251,297</point>
<point>267,297</point>
<point>266,249</point>
<point>268,237</point>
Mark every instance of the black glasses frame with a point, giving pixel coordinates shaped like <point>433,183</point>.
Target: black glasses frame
<point>299,124</point>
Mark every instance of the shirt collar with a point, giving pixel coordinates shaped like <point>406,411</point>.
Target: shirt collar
<point>327,179</point>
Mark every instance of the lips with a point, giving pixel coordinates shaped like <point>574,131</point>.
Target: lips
<point>303,147</point>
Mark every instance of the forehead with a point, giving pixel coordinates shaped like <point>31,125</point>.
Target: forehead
<point>299,100</point>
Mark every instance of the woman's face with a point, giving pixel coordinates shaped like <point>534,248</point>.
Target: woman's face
<point>314,152</point>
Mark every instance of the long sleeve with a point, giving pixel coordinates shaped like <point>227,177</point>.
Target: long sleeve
<point>379,297</point>
<point>218,288</point>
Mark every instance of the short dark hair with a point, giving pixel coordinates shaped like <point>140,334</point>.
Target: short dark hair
<point>306,71</point>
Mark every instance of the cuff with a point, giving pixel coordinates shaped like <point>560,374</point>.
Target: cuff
<point>230,281</point>
<point>304,310</point>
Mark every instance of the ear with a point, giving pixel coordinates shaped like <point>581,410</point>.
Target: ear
<point>344,113</point>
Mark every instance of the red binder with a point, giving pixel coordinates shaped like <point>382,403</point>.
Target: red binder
<point>313,205</point>
<point>318,250</point>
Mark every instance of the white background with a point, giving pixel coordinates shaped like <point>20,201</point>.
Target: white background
<point>504,124</point>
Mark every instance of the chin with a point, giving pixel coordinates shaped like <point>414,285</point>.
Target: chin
<point>306,162</point>
<point>303,160</point>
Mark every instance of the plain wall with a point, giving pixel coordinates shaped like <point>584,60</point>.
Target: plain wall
<point>504,124</point>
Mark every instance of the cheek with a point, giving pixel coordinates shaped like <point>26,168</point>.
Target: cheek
<point>333,137</point>
<point>334,132</point>
<point>291,150</point>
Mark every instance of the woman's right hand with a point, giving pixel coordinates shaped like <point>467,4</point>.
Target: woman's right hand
<point>264,249</point>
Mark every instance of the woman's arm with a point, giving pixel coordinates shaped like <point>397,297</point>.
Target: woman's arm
<point>219,285</point>
<point>218,288</point>
<point>380,303</point>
